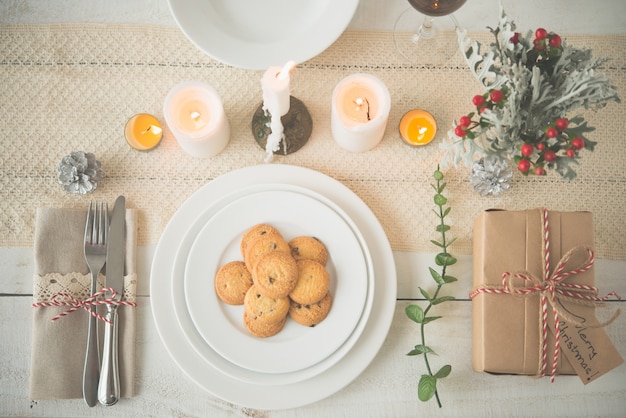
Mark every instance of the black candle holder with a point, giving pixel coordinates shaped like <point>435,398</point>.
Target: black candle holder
<point>297,127</point>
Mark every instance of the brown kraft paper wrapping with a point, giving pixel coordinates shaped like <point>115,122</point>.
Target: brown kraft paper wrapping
<point>507,328</point>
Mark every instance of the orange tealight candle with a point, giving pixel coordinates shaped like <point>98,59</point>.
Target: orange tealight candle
<point>143,132</point>
<point>418,127</point>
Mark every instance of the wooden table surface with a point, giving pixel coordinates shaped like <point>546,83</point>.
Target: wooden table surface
<point>388,387</point>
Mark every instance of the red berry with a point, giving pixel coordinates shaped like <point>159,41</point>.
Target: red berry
<point>549,156</point>
<point>496,95</point>
<point>465,121</point>
<point>541,146</point>
<point>578,143</point>
<point>459,131</point>
<point>541,33</point>
<point>539,171</point>
<point>540,45</point>
<point>523,166</point>
<point>570,153</point>
<point>552,132</point>
<point>515,38</point>
<point>478,100</point>
<point>482,109</point>
<point>555,41</point>
<point>527,150</point>
<point>561,124</point>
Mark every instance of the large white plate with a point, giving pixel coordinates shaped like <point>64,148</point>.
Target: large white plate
<point>255,34</point>
<point>166,270</point>
<point>186,324</point>
<point>295,347</point>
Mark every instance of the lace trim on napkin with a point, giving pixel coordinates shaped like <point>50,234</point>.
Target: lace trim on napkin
<point>76,284</point>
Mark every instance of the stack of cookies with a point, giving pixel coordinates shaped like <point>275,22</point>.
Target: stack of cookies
<point>277,279</point>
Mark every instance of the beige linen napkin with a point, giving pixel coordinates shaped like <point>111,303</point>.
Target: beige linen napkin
<point>58,348</point>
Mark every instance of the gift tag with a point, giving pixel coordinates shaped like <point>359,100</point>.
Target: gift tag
<point>586,344</point>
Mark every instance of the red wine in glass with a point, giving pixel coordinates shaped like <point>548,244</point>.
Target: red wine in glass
<point>436,8</point>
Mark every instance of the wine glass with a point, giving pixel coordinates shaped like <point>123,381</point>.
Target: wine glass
<point>415,38</point>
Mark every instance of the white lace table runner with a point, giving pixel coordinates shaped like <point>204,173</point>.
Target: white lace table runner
<point>72,87</point>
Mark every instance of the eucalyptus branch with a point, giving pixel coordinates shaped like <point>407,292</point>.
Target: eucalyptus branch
<point>427,387</point>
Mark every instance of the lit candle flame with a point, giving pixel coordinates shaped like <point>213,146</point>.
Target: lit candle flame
<point>195,116</point>
<point>284,73</point>
<point>359,101</point>
<point>152,128</point>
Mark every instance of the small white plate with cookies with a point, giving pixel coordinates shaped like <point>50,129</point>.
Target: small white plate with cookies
<point>266,334</point>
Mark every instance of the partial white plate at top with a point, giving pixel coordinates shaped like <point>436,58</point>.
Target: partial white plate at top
<point>295,347</point>
<point>256,34</point>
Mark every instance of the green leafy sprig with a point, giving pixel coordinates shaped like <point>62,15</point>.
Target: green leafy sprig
<point>427,387</point>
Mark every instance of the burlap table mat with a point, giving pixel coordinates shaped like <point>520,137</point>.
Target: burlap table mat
<point>73,87</point>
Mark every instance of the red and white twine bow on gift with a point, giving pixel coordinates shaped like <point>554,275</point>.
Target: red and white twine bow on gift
<point>66,299</point>
<point>551,288</point>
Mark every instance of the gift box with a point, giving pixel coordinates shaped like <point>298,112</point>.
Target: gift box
<point>533,296</point>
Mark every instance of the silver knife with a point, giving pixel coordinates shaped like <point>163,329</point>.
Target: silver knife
<point>109,385</point>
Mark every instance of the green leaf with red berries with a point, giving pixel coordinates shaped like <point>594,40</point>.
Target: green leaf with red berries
<point>533,84</point>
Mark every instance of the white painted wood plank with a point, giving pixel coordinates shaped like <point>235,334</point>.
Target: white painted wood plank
<point>412,269</point>
<point>386,388</point>
<point>412,272</point>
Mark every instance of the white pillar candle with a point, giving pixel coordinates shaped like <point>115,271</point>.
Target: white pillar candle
<point>359,112</point>
<point>276,98</point>
<point>194,113</point>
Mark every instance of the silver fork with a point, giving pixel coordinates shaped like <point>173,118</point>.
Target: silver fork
<point>96,231</point>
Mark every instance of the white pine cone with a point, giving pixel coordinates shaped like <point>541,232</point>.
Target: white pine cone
<point>490,175</point>
<point>79,172</point>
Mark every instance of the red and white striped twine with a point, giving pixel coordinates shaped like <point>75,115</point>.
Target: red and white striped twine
<point>66,299</point>
<point>549,290</point>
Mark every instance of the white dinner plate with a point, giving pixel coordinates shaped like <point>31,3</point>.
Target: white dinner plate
<point>256,34</point>
<point>167,269</point>
<point>192,335</point>
<point>295,347</point>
